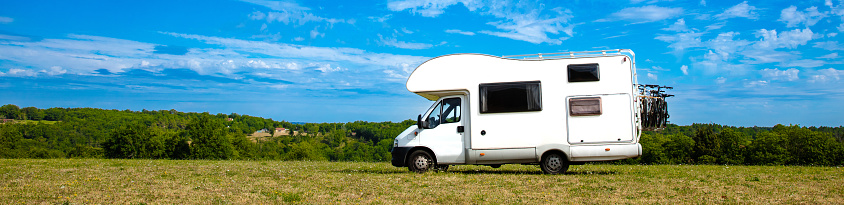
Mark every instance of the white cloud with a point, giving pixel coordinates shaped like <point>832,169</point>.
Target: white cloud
<point>380,19</point>
<point>756,83</point>
<point>702,2</point>
<point>741,10</point>
<point>231,58</point>
<point>426,8</point>
<point>721,80</point>
<point>326,68</point>
<point>468,33</point>
<point>685,69</point>
<point>522,20</point>
<point>278,5</point>
<point>80,54</point>
<point>792,17</point>
<point>55,70</point>
<point>718,63</point>
<point>678,26</point>
<point>787,39</point>
<point>716,26</point>
<point>826,75</point>
<point>805,63</point>
<point>652,76</point>
<point>761,56</point>
<point>828,45</point>
<point>681,41</point>
<point>5,20</point>
<point>404,30</point>
<point>315,33</point>
<point>776,74</point>
<point>647,13</point>
<point>289,13</point>
<point>401,44</point>
<point>20,72</point>
<point>725,44</point>
<point>829,56</point>
<point>282,50</point>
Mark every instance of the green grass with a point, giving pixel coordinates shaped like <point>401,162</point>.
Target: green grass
<point>101,181</point>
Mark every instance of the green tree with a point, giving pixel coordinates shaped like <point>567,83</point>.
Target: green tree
<point>208,138</point>
<point>679,148</point>
<point>653,151</point>
<point>706,145</point>
<point>732,145</point>
<point>134,141</point>
<point>10,111</point>
<point>33,113</point>
<point>768,149</point>
<point>808,147</point>
<point>305,151</point>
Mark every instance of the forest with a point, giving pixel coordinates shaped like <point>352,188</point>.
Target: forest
<point>170,134</point>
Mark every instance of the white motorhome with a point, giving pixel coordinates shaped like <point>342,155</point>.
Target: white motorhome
<point>554,110</point>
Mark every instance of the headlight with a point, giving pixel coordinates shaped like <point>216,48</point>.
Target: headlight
<point>395,143</point>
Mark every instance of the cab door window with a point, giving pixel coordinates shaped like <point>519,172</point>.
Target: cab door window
<point>446,111</point>
<point>451,110</point>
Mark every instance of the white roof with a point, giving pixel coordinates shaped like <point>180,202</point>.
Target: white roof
<point>463,72</point>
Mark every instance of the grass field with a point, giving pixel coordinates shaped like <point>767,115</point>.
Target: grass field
<point>99,181</point>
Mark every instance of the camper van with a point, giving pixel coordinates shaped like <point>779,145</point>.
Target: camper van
<point>553,110</point>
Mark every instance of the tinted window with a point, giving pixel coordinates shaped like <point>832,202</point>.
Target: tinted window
<point>451,110</point>
<point>510,97</point>
<point>434,118</point>
<point>585,106</point>
<point>446,111</point>
<point>583,72</point>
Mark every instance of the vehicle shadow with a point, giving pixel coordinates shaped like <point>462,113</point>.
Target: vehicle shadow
<point>579,172</point>
<point>371,171</point>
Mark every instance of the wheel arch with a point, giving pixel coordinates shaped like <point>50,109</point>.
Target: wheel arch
<point>550,151</point>
<point>410,152</point>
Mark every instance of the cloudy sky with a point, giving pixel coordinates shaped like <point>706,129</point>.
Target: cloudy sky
<point>736,63</point>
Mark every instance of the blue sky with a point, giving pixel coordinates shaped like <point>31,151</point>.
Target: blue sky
<point>741,63</point>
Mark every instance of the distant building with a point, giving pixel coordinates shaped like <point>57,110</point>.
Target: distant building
<point>279,131</point>
<point>229,119</point>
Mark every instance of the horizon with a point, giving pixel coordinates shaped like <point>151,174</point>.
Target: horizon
<point>744,64</point>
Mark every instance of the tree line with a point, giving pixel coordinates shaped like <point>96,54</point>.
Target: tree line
<point>717,144</point>
<point>170,134</point>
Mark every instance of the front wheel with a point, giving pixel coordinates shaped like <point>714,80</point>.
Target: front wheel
<point>420,161</point>
<point>554,163</point>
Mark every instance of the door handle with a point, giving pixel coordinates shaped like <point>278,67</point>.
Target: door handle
<point>460,129</point>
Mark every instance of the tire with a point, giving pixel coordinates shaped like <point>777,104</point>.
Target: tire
<point>496,166</point>
<point>420,161</point>
<point>554,163</point>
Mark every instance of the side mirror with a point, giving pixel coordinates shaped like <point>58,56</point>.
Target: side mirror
<point>419,121</point>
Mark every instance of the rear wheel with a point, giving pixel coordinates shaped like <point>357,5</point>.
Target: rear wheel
<point>495,166</point>
<point>420,161</point>
<point>554,163</point>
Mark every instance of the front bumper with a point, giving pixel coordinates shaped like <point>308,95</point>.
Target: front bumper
<point>399,156</point>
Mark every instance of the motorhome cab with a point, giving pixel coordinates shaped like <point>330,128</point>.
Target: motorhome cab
<point>554,110</point>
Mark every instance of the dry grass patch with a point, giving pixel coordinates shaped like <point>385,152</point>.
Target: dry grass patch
<point>101,181</point>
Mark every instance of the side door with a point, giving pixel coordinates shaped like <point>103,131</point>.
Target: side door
<point>443,133</point>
